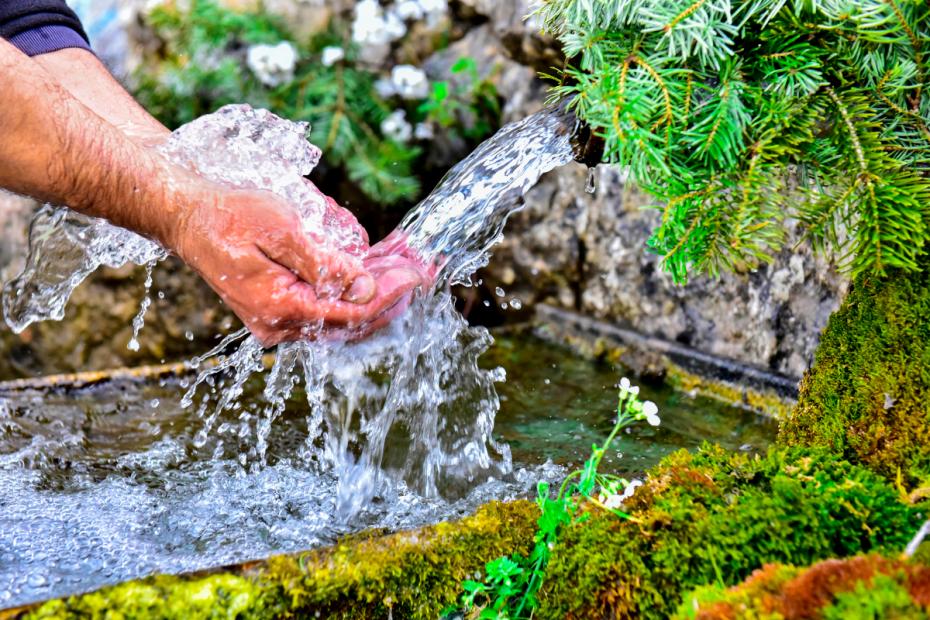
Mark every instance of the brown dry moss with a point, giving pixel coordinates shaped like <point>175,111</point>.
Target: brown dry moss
<point>860,588</point>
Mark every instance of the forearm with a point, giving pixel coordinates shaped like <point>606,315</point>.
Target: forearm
<point>55,149</point>
<point>87,79</point>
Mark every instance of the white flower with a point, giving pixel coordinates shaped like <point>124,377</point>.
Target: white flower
<point>332,55</point>
<point>650,410</point>
<point>396,127</point>
<point>424,131</point>
<point>394,26</point>
<point>372,26</point>
<point>630,489</point>
<point>624,383</point>
<point>410,82</point>
<point>273,64</point>
<point>435,11</point>
<point>613,502</point>
<point>410,9</point>
<point>385,88</point>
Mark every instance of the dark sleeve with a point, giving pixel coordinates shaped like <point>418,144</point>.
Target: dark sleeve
<point>41,26</point>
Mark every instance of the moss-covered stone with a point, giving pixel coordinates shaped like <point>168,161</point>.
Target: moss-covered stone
<point>415,574</point>
<point>860,588</point>
<point>412,574</point>
<point>215,597</point>
<point>715,517</point>
<point>867,395</point>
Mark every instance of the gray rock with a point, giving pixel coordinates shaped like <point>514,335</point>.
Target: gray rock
<point>98,319</point>
<point>521,38</point>
<point>589,253</point>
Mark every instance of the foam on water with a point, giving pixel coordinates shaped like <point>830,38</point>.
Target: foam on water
<point>72,523</point>
<point>400,425</point>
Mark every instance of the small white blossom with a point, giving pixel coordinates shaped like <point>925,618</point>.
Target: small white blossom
<point>613,502</point>
<point>410,82</point>
<point>373,26</point>
<point>394,25</point>
<point>332,55</point>
<point>424,131</point>
<point>272,64</point>
<point>634,390</point>
<point>385,88</point>
<point>624,383</point>
<point>630,489</point>
<point>435,11</point>
<point>650,410</point>
<point>396,128</point>
<point>410,9</point>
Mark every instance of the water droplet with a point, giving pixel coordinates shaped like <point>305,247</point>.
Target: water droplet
<point>591,186</point>
<point>499,292</point>
<point>189,335</point>
<point>154,403</point>
<point>515,304</point>
<point>200,438</point>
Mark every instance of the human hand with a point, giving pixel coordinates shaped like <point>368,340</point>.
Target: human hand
<point>394,251</point>
<point>251,248</point>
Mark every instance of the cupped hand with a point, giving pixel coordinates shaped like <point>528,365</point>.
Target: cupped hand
<point>250,247</point>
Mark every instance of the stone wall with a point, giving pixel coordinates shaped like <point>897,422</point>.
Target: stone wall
<point>589,253</point>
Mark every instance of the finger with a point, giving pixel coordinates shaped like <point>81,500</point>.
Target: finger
<point>389,316</point>
<point>392,286</point>
<point>332,273</point>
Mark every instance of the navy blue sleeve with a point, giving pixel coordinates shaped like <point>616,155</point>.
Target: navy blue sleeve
<point>41,26</point>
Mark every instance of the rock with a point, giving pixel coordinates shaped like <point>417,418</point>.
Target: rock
<point>98,319</point>
<point>98,325</point>
<point>522,38</point>
<point>589,253</point>
<point>519,87</point>
<point>304,18</point>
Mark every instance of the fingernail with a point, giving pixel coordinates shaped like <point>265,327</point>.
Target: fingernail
<point>362,290</point>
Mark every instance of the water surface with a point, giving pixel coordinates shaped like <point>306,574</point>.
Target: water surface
<point>104,484</point>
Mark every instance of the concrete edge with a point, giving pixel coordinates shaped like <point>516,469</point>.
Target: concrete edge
<point>754,386</point>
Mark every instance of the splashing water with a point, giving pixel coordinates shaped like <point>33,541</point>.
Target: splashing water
<point>139,321</point>
<point>414,384</point>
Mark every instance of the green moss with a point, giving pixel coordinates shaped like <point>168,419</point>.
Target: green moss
<point>411,574</point>
<point>714,518</point>
<point>215,597</point>
<point>883,598</point>
<point>415,574</point>
<point>866,398</point>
